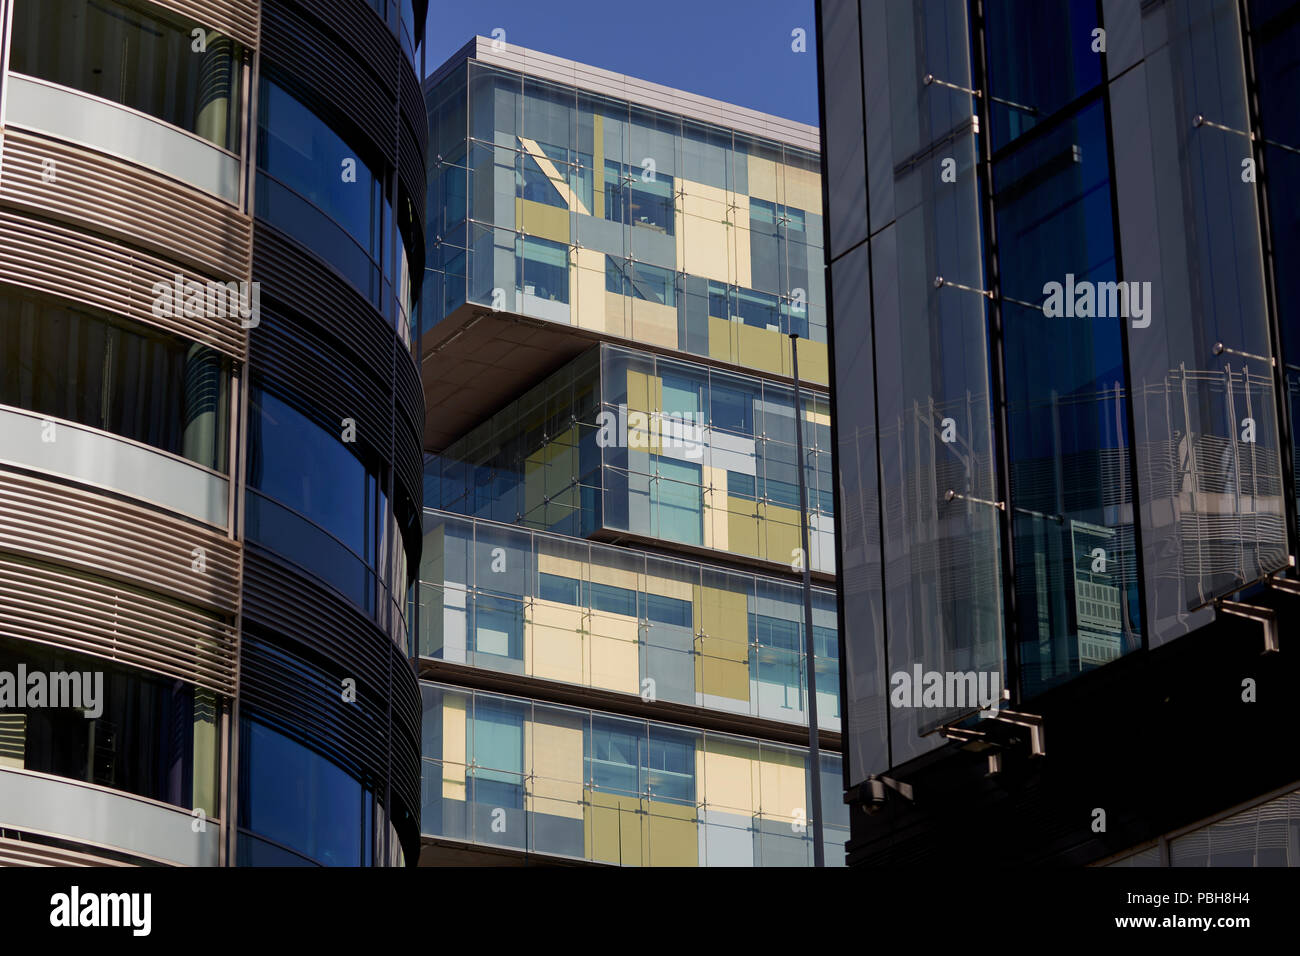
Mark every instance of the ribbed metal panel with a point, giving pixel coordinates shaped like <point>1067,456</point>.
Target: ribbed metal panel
<point>411,172</point>
<point>25,853</point>
<point>309,706</point>
<point>294,277</point>
<point>127,202</point>
<point>51,605</point>
<point>408,431</point>
<point>279,600</point>
<point>235,18</point>
<point>96,271</point>
<point>412,141</point>
<point>116,539</point>
<point>413,112</point>
<point>322,383</point>
<point>340,60</point>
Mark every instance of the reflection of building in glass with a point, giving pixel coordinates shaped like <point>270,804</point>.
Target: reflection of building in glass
<point>1122,487</point>
<point>611,622</point>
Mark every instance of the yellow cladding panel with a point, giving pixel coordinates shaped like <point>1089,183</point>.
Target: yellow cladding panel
<point>814,366</point>
<point>588,283</point>
<point>803,189</point>
<point>715,508</point>
<point>668,587</point>
<point>556,752</point>
<point>782,785</point>
<point>628,578</point>
<point>765,180</point>
<point>614,829</point>
<point>562,566</point>
<point>615,661</point>
<point>709,242</point>
<point>674,839</point>
<point>786,185</point>
<point>781,532</point>
<point>819,411</point>
<point>539,219</point>
<point>722,339</point>
<point>742,526</point>
<point>645,391</point>
<point>453,746</point>
<point>654,324</point>
<point>729,775</point>
<point>763,349</point>
<point>555,642</point>
<point>722,666</point>
<point>616,313</point>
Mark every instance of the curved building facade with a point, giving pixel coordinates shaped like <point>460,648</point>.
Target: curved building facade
<point>210,479</point>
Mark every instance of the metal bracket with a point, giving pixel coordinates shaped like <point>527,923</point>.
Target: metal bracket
<point>878,783</point>
<point>1265,615</point>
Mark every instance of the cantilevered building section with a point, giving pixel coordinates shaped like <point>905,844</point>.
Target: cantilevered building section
<point>611,633</point>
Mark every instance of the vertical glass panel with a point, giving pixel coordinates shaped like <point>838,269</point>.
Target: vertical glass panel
<point>1204,409</point>
<point>1275,35</point>
<point>846,161</point>
<point>1040,59</point>
<point>496,770</point>
<point>1077,589</point>
<point>942,573</point>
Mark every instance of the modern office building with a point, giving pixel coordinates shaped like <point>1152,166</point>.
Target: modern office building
<point>611,618</point>
<point>210,419</point>
<point>1064,249</point>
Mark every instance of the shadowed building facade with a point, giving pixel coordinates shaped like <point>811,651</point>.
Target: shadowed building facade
<point>1062,279</point>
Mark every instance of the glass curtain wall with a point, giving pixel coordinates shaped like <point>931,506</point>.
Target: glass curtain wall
<point>598,213</point>
<point>621,440</point>
<point>616,619</point>
<point>570,782</point>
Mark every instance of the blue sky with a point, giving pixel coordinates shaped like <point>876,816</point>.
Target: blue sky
<point>675,42</point>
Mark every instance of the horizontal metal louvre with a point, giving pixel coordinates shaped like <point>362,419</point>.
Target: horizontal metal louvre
<point>358,79</point>
<point>410,169</point>
<point>311,708</point>
<point>278,598</point>
<point>128,202</point>
<point>78,528</point>
<point>25,853</point>
<point>236,18</point>
<point>323,384</point>
<point>413,109</point>
<point>51,605</point>
<point>281,601</point>
<point>294,277</point>
<point>96,271</point>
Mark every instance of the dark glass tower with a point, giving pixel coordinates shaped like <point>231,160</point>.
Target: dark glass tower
<point>1061,248</point>
<point>210,485</point>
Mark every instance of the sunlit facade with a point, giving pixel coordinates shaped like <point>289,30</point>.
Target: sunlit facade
<point>611,620</point>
